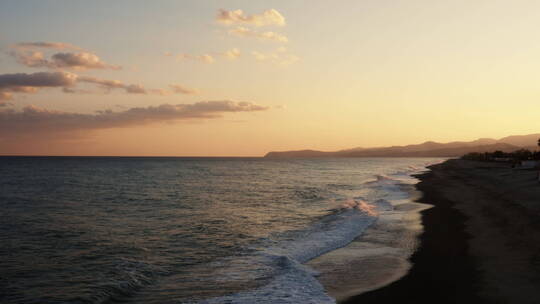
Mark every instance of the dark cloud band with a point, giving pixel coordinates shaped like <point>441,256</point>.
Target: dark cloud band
<point>35,120</point>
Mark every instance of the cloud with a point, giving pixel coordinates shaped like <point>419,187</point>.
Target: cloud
<point>26,54</point>
<point>69,90</point>
<point>237,17</point>
<point>241,31</point>
<point>262,57</point>
<point>6,92</point>
<point>180,89</point>
<point>30,58</point>
<point>280,57</point>
<point>135,89</point>
<point>104,83</point>
<point>162,92</point>
<point>76,61</point>
<point>174,89</point>
<point>81,61</point>
<point>21,81</point>
<point>232,54</point>
<point>32,119</point>
<point>30,83</point>
<point>48,45</point>
<point>108,85</point>
<point>206,58</point>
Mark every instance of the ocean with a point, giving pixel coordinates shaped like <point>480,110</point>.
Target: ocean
<point>191,230</point>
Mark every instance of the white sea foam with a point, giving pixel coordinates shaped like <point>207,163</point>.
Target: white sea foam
<point>296,283</point>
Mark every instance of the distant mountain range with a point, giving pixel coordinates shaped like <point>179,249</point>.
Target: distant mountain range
<point>427,149</point>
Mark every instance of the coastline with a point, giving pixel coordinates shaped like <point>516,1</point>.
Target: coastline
<point>379,256</point>
<point>481,238</point>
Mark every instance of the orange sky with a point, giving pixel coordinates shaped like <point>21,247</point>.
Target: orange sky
<point>246,77</point>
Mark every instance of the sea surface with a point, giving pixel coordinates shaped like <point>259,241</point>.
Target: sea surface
<point>185,230</point>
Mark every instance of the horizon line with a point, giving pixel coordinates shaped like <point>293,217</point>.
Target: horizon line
<point>129,156</point>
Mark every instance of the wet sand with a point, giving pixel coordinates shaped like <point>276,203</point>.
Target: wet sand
<point>376,258</point>
<point>481,240</point>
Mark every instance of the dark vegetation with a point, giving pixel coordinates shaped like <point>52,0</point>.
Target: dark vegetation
<point>518,155</point>
<point>498,155</point>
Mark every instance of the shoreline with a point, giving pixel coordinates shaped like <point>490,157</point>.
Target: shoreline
<point>481,238</point>
<point>377,257</point>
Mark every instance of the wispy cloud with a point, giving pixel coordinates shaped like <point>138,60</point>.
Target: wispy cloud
<point>278,57</point>
<point>27,53</point>
<point>174,89</point>
<point>237,17</point>
<point>262,57</point>
<point>47,45</point>
<point>69,90</point>
<point>67,60</point>
<point>31,83</point>
<point>135,89</point>
<point>32,119</point>
<point>231,54</point>
<point>206,58</point>
<point>106,84</point>
<point>241,31</point>
<point>7,92</point>
<point>180,89</point>
<point>162,92</point>
<point>79,61</point>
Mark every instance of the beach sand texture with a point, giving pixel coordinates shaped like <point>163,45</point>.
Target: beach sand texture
<point>481,242</point>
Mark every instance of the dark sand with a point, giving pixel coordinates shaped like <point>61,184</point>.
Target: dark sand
<point>481,240</point>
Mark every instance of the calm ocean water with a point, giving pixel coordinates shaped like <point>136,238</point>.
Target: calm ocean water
<point>184,230</point>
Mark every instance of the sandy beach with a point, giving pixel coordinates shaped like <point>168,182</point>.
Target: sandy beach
<point>481,240</point>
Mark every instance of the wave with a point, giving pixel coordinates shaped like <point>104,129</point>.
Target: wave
<point>127,277</point>
<point>293,282</point>
<point>361,205</point>
<point>380,179</point>
<point>295,285</point>
<point>394,186</point>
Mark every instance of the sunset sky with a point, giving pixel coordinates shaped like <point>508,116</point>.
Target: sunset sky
<point>241,78</point>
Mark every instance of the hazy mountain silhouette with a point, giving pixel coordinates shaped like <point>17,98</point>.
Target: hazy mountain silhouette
<point>530,140</point>
<point>429,148</point>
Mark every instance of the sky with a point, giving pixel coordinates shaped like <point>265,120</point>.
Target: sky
<point>242,78</point>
